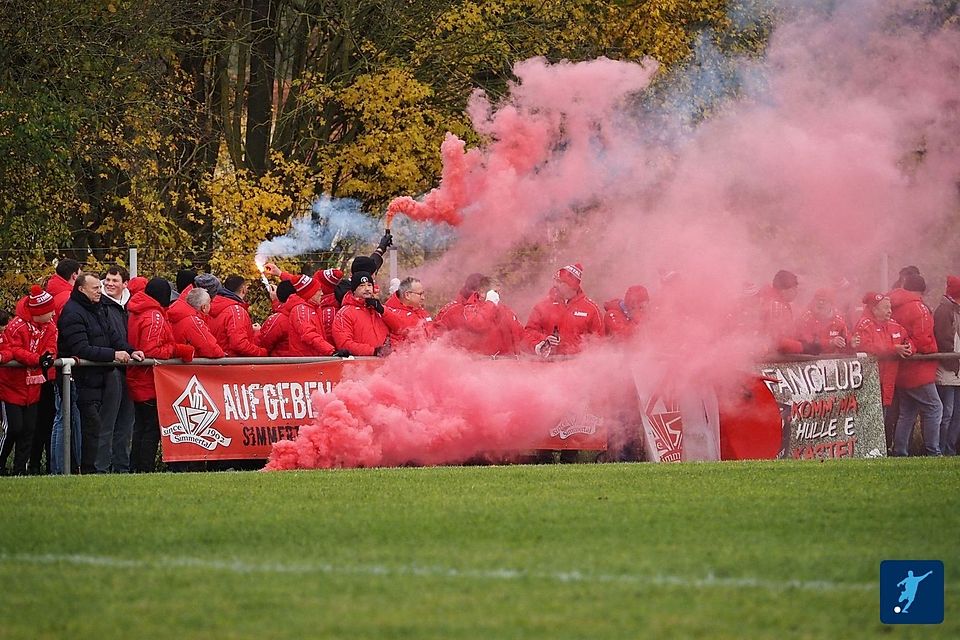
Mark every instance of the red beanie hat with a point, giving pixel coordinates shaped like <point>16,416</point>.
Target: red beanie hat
<point>329,279</point>
<point>571,274</point>
<point>39,302</point>
<point>953,287</point>
<point>872,299</point>
<point>306,287</point>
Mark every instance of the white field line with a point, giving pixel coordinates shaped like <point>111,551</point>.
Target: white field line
<point>242,567</point>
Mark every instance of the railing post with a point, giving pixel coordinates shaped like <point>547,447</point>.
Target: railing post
<point>132,262</point>
<point>66,400</point>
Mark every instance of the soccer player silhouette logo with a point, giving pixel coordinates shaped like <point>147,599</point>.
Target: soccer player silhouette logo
<point>909,584</point>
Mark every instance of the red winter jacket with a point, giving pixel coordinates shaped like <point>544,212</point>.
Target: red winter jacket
<point>616,322</point>
<point>328,313</point>
<point>405,322</point>
<point>880,340</point>
<point>274,334</point>
<point>358,328</point>
<point>60,289</point>
<point>480,326</point>
<point>910,311</point>
<point>812,330</point>
<point>578,317</point>
<point>231,326</point>
<point>149,331</point>
<point>190,327</point>
<point>25,341</point>
<point>776,320</point>
<point>306,329</point>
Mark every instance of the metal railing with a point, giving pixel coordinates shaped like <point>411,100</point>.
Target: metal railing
<point>66,365</point>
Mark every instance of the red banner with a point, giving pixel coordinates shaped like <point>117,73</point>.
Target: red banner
<point>235,412</point>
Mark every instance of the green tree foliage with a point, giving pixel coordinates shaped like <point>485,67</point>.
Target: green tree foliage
<point>192,129</point>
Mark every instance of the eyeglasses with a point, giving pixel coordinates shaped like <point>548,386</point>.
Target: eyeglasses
<point>418,293</point>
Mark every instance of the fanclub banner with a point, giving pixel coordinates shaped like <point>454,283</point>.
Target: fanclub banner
<point>219,412</point>
<point>215,412</point>
<point>829,408</point>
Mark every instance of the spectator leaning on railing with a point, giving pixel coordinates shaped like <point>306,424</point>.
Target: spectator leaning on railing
<point>30,339</point>
<point>150,332</point>
<point>85,332</point>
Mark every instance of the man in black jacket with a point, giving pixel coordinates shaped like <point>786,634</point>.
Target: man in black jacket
<point>364,264</point>
<point>85,332</point>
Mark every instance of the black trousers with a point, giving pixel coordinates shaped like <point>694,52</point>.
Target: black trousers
<point>46,411</point>
<point>21,423</point>
<point>146,437</point>
<point>90,427</point>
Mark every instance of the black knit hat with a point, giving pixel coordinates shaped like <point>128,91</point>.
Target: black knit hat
<point>159,290</point>
<point>185,279</point>
<point>363,264</point>
<point>915,282</point>
<point>785,280</point>
<point>359,278</point>
<point>284,290</point>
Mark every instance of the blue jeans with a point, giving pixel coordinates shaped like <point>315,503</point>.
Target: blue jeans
<point>925,401</point>
<point>950,423</point>
<point>56,436</point>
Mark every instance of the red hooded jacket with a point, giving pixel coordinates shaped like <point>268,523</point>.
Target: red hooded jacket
<point>813,330</point>
<point>190,327</point>
<point>578,317</point>
<point>480,326</point>
<point>60,289</point>
<point>358,328</point>
<point>616,322</point>
<point>25,341</point>
<point>910,311</point>
<point>880,339</point>
<point>776,320</point>
<point>274,334</point>
<point>231,326</point>
<point>306,329</point>
<point>149,331</point>
<point>405,322</point>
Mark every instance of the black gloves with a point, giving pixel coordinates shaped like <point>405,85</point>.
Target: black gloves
<point>341,353</point>
<point>46,362</point>
<point>373,303</point>
<point>384,351</point>
<point>385,241</point>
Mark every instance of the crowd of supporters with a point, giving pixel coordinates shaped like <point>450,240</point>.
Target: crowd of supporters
<point>111,318</point>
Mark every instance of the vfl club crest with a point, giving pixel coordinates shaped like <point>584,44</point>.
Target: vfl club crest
<point>663,422</point>
<point>195,413</point>
<point>575,423</point>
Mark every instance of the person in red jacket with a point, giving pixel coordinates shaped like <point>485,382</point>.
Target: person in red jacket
<point>882,336</point>
<point>274,335</point>
<point>359,327</point>
<point>916,379</point>
<point>230,322</point>
<point>149,331</point>
<point>822,329</point>
<point>558,324</point>
<point>404,313</point>
<point>30,339</point>
<point>622,318</point>
<point>306,334</point>
<point>60,285</point>
<point>328,303</point>
<point>479,322</point>
<point>776,314</point>
<point>187,319</point>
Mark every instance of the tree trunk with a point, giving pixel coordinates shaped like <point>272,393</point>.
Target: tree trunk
<point>263,46</point>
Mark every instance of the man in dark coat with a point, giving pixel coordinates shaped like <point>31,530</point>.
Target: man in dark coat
<point>86,333</point>
<point>116,412</point>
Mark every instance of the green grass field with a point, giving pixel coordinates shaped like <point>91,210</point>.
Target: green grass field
<point>774,549</point>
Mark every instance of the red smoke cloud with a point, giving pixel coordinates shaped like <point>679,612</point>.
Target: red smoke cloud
<point>842,144</point>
